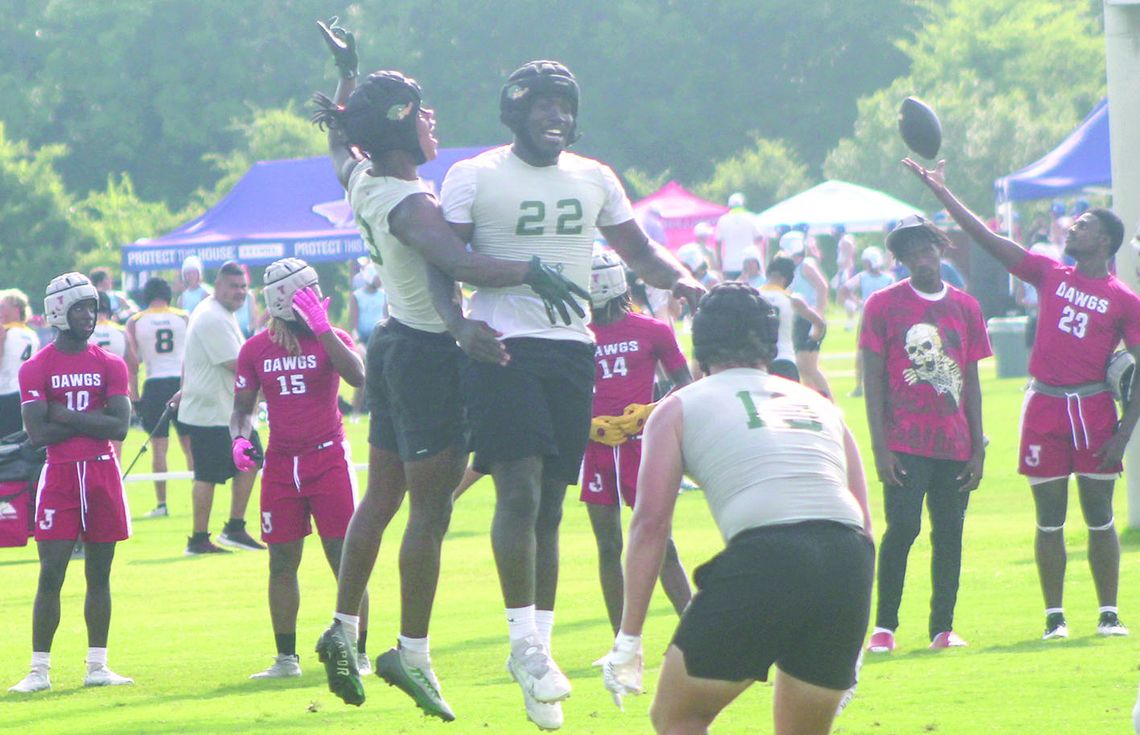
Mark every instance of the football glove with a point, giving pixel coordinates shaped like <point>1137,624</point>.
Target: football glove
<point>633,418</point>
<point>343,46</point>
<point>555,290</point>
<point>245,455</point>
<point>313,310</point>
<point>605,430</point>
<point>622,668</point>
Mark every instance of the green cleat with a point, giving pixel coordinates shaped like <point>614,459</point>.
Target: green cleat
<point>419,683</point>
<point>338,654</point>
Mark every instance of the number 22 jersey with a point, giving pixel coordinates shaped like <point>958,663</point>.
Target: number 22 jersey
<point>80,381</point>
<point>300,391</point>
<point>1080,322</point>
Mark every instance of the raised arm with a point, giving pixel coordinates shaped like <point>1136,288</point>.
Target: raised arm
<point>345,360</point>
<point>1007,252</point>
<point>342,44</point>
<point>652,261</point>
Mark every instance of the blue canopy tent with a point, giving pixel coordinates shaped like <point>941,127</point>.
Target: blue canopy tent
<point>1082,160</point>
<point>278,209</point>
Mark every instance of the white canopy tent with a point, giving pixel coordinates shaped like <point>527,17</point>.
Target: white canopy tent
<point>831,203</point>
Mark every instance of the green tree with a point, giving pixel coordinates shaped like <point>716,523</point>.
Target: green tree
<point>37,238</point>
<point>766,173</point>
<point>990,71</point>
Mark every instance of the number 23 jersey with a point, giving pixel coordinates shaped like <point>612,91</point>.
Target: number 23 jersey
<point>1080,322</point>
<point>80,381</point>
<point>300,391</point>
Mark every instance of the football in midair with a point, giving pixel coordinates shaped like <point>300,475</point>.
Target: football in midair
<point>920,127</point>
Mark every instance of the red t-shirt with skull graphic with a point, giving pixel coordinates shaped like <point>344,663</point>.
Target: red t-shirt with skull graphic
<point>926,346</point>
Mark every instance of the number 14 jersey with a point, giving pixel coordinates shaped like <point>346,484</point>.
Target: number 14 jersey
<point>1080,322</point>
<point>300,391</point>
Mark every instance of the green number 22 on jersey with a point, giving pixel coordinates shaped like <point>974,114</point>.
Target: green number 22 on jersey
<point>533,216</point>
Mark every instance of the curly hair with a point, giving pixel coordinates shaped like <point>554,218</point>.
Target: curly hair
<point>380,115</point>
<point>734,325</point>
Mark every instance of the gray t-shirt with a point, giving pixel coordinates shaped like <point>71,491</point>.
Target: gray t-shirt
<point>212,339</point>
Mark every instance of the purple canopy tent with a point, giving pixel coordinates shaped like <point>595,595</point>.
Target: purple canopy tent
<point>278,209</point>
<point>1082,160</point>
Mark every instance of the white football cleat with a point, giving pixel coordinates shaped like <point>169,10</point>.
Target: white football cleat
<point>284,666</point>
<point>37,680</point>
<point>101,676</point>
<point>363,665</point>
<point>531,666</point>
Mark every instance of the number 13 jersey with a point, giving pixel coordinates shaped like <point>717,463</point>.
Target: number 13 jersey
<point>1080,322</point>
<point>160,336</point>
<point>519,211</point>
<point>300,391</point>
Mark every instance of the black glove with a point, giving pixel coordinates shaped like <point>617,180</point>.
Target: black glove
<point>555,290</point>
<point>343,46</point>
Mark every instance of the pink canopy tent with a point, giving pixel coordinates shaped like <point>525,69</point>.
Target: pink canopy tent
<point>681,210</point>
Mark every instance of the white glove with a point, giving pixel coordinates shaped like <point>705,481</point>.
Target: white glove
<point>622,668</point>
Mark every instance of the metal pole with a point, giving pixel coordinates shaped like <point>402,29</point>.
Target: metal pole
<point>1122,55</point>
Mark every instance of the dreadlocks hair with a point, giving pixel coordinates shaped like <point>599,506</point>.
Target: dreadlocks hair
<point>613,309</point>
<point>734,325</point>
<point>284,335</point>
<point>380,115</point>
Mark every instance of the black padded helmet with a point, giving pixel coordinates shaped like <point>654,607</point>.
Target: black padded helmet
<point>530,80</point>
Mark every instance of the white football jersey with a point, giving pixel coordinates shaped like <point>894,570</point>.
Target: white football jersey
<point>766,451</point>
<point>111,337</point>
<point>780,301</point>
<point>160,337</point>
<point>20,343</point>
<point>403,270</point>
<point>519,211</point>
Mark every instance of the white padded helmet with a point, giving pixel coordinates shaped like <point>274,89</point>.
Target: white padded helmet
<point>607,278</point>
<point>64,292</point>
<point>1118,374</point>
<point>283,279</point>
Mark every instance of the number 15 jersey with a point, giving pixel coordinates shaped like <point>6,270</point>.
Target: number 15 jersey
<point>1080,322</point>
<point>160,337</point>
<point>300,391</point>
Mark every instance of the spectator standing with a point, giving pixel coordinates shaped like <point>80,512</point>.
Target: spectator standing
<point>18,342</point>
<point>194,291</point>
<point>811,285</point>
<point>735,230</point>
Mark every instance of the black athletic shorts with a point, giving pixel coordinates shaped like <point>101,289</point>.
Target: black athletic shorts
<point>11,420</point>
<point>413,391</point>
<point>798,596</point>
<point>156,393</point>
<point>537,406</point>
<point>801,336</point>
<point>785,369</point>
<point>212,450</point>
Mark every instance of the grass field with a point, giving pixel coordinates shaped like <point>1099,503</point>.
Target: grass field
<point>191,630</point>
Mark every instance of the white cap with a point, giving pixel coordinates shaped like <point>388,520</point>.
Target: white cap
<point>736,199</point>
<point>690,254</point>
<point>703,229</point>
<point>873,256</point>
<point>193,263</point>
<point>792,243</point>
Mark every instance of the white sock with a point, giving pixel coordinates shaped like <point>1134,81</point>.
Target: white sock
<point>520,622</point>
<point>41,660</point>
<point>96,657</point>
<point>415,650</point>
<point>351,625</point>
<point>1109,608</point>
<point>544,624</point>
<point>1054,611</point>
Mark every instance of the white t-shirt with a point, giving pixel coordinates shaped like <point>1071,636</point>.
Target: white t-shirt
<point>20,343</point>
<point>213,339</point>
<point>780,300</point>
<point>520,211</point>
<point>403,270</point>
<point>766,451</point>
<point>735,231</point>
<point>161,338</point>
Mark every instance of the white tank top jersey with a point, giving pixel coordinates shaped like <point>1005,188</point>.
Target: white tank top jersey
<point>766,451</point>
<point>403,270</point>
<point>20,343</point>
<point>160,335</point>
<point>111,337</point>
<point>520,211</point>
<point>780,301</point>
